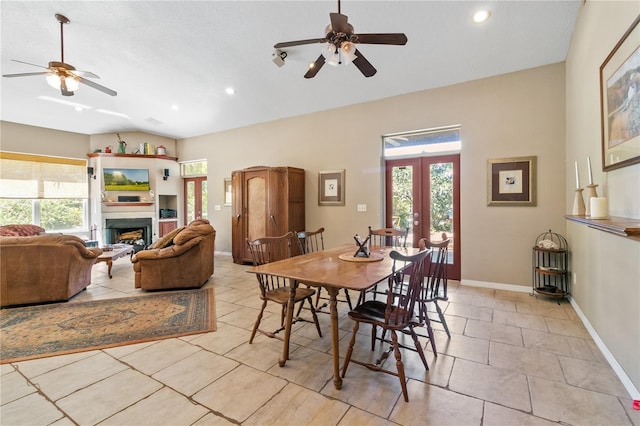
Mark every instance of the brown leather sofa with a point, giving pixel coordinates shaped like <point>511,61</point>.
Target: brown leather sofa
<point>44,268</point>
<point>181,259</point>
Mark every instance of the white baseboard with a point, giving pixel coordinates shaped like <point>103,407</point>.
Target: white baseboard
<point>497,286</point>
<point>626,381</point>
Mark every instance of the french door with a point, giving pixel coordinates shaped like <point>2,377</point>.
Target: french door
<point>423,194</point>
<point>195,199</point>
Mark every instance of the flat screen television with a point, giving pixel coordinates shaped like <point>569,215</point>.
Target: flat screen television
<point>126,179</point>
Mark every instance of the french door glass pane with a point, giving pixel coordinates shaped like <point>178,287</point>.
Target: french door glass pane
<point>441,220</point>
<point>402,200</point>
<point>204,198</point>
<point>191,206</point>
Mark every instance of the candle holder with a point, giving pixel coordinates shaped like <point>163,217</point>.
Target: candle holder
<point>578,204</point>
<point>591,193</point>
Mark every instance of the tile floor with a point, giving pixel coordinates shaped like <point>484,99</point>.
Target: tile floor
<point>512,360</point>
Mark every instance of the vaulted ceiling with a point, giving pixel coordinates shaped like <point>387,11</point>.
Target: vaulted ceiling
<point>171,61</point>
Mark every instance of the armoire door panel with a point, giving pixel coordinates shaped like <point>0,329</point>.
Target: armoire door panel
<point>256,206</point>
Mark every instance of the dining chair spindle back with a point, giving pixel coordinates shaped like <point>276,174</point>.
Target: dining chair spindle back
<point>273,288</point>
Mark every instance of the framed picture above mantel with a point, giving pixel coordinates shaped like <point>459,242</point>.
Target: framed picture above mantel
<point>620,102</point>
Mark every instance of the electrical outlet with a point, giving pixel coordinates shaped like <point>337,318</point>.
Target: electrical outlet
<point>362,207</point>
<point>217,207</point>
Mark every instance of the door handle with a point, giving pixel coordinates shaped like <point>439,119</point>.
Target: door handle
<point>273,219</point>
<point>237,219</point>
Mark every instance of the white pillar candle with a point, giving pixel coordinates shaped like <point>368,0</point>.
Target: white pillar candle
<point>589,171</point>
<point>598,207</point>
<point>577,177</point>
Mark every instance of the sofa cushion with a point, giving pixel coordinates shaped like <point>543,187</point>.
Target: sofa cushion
<point>24,230</point>
<point>195,229</point>
<point>167,240</point>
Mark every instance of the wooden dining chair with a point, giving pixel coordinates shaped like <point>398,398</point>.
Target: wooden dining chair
<point>392,237</point>
<point>395,315</point>
<point>275,289</point>
<point>435,288</point>
<point>314,241</point>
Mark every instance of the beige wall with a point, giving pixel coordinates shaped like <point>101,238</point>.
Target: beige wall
<point>607,267</point>
<point>38,140</point>
<point>517,114</point>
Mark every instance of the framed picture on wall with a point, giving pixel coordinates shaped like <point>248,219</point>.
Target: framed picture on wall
<point>331,188</point>
<point>511,181</point>
<point>620,102</point>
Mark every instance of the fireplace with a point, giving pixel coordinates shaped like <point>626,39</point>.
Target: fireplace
<point>134,231</point>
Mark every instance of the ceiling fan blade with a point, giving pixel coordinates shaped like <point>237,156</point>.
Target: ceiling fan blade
<point>85,74</point>
<point>364,65</point>
<point>339,23</point>
<point>389,38</point>
<point>299,42</point>
<point>316,67</point>
<point>29,63</point>
<point>97,86</point>
<point>24,74</point>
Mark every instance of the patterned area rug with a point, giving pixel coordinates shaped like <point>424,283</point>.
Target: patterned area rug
<point>47,330</point>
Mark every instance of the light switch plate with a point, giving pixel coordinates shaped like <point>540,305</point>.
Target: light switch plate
<point>217,207</point>
<point>362,207</point>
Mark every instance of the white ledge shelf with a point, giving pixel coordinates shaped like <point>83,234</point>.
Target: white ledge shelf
<point>119,204</point>
<point>623,226</point>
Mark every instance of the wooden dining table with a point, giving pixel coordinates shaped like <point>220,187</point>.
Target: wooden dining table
<point>334,269</point>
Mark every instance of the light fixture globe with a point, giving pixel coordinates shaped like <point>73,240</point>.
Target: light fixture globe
<point>348,51</point>
<point>331,54</point>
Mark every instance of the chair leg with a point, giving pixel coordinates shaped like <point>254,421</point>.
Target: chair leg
<point>442,318</point>
<point>346,295</point>
<point>257,323</point>
<point>352,342</point>
<point>427,324</point>
<point>319,289</point>
<point>313,313</point>
<point>400,365</point>
<point>374,332</point>
<point>416,342</point>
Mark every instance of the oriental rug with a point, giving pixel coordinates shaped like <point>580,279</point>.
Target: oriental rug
<point>62,328</point>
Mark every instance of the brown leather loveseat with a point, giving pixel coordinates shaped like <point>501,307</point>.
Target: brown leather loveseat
<point>181,259</point>
<point>44,268</point>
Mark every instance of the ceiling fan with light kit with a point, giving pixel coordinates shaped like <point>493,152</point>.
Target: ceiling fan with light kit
<point>340,40</point>
<point>61,75</point>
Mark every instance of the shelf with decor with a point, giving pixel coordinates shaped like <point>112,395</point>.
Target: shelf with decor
<point>550,265</point>
<point>623,226</point>
<point>113,154</point>
<point>125,203</point>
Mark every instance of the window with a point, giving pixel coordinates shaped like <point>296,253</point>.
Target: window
<point>193,168</point>
<point>51,192</point>
<point>438,141</point>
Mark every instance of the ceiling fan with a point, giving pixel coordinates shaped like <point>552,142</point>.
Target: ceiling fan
<point>63,76</point>
<point>340,46</point>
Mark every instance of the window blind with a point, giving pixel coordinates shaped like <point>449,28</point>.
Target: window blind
<point>37,176</point>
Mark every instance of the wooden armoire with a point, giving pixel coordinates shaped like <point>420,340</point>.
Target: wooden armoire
<point>266,202</point>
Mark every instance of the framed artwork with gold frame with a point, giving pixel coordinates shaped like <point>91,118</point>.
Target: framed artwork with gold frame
<point>511,181</point>
<point>331,188</point>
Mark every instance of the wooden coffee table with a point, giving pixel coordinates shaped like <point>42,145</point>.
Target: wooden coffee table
<point>116,253</point>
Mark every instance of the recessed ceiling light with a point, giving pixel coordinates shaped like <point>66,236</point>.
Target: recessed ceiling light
<point>175,107</point>
<point>230,90</point>
<point>481,16</point>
